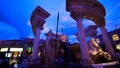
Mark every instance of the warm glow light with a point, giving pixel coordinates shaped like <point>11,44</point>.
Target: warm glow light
<point>4,49</point>
<point>118,46</point>
<point>16,49</point>
<point>15,54</point>
<point>115,37</point>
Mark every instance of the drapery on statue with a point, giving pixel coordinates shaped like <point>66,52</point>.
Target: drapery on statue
<point>96,52</point>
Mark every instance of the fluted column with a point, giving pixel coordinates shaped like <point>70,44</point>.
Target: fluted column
<point>34,58</point>
<point>106,40</point>
<point>83,44</point>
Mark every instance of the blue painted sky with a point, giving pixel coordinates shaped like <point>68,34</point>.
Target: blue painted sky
<point>15,18</point>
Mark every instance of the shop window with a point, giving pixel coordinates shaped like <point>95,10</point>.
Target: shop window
<point>115,37</point>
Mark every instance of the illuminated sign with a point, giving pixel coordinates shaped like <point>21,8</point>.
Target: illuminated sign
<point>16,49</point>
<point>3,49</point>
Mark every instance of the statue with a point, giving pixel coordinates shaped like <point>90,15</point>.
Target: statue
<point>96,53</point>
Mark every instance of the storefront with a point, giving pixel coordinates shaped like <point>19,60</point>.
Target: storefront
<point>11,53</point>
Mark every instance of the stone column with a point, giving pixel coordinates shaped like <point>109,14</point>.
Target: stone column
<point>34,58</point>
<point>106,40</point>
<point>83,44</point>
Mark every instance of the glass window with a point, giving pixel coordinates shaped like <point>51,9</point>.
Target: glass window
<point>115,37</point>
